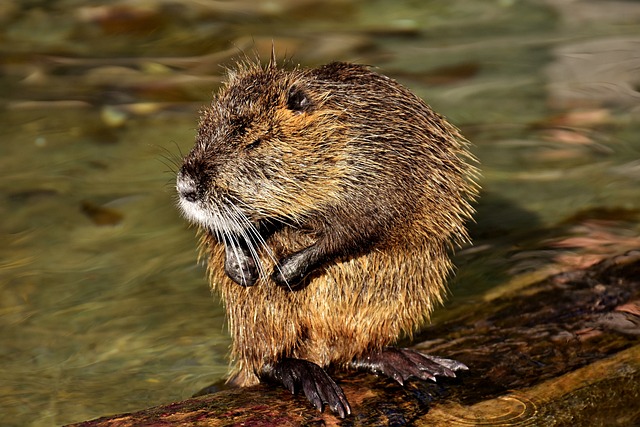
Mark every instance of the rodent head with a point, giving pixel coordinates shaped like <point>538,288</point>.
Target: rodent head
<point>266,148</point>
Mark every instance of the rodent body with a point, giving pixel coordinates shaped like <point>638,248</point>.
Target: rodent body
<point>328,201</point>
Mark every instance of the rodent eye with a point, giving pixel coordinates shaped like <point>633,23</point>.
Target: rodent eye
<point>254,144</point>
<point>239,126</point>
<point>297,100</point>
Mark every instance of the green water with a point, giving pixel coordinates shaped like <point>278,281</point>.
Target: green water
<point>103,306</point>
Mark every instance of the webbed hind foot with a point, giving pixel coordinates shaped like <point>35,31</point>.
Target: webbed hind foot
<point>317,385</point>
<point>400,364</point>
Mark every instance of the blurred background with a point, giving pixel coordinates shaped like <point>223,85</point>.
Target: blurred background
<point>103,305</point>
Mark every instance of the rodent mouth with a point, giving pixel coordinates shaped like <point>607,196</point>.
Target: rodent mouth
<point>219,214</point>
<point>220,220</point>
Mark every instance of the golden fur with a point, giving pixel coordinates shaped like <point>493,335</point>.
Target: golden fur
<point>369,162</point>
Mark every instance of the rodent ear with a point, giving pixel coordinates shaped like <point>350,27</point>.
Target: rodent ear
<point>297,100</point>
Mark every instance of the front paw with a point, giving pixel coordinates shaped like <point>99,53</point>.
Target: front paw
<point>240,266</point>
<point>291,271</point>
<point>316,384</point>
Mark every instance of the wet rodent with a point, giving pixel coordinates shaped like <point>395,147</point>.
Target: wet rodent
<point>328,201</point>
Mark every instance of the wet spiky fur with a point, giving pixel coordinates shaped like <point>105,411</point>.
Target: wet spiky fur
<point>361,163</point>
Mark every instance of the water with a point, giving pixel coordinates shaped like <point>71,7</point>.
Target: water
<point>103,307</point>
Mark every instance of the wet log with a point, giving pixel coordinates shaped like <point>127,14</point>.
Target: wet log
<point>562,351</point>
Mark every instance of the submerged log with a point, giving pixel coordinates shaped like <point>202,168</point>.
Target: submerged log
<point>561,351</point>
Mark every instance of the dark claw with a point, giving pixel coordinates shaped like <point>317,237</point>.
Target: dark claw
<point>291,271</point>
<point>239,265</point>
<point>316,384</point>
<point>401,363</point>
<point>288,381</point>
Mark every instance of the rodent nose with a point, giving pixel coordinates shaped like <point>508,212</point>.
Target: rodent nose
<point>186,187</point>
<point>190,196</point>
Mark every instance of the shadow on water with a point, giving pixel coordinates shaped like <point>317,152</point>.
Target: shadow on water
<point>510,241</point>
<point>501,228</point>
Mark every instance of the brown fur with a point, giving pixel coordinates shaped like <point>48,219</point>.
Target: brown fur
<point>368,160</point>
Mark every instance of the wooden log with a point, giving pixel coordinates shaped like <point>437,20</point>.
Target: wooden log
<point>603,393</point>
<point>561,351</point>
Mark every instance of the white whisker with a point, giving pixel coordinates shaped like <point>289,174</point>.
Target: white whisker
<point>233,242</point>
<point>255,242</point>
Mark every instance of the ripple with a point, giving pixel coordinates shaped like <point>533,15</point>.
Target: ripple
<point>511,410</point>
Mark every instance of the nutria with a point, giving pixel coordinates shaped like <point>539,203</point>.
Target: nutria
<point>328,200</point>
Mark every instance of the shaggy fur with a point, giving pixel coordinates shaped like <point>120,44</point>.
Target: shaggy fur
<point>340,159</point>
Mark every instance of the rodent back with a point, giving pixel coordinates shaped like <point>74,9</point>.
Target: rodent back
<point>408,167</point>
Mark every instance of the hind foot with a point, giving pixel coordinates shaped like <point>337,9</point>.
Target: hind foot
<point>317,385</point>
<point>402,363</point>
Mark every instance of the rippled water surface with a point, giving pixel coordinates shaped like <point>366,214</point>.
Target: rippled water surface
<point>103,307</point>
